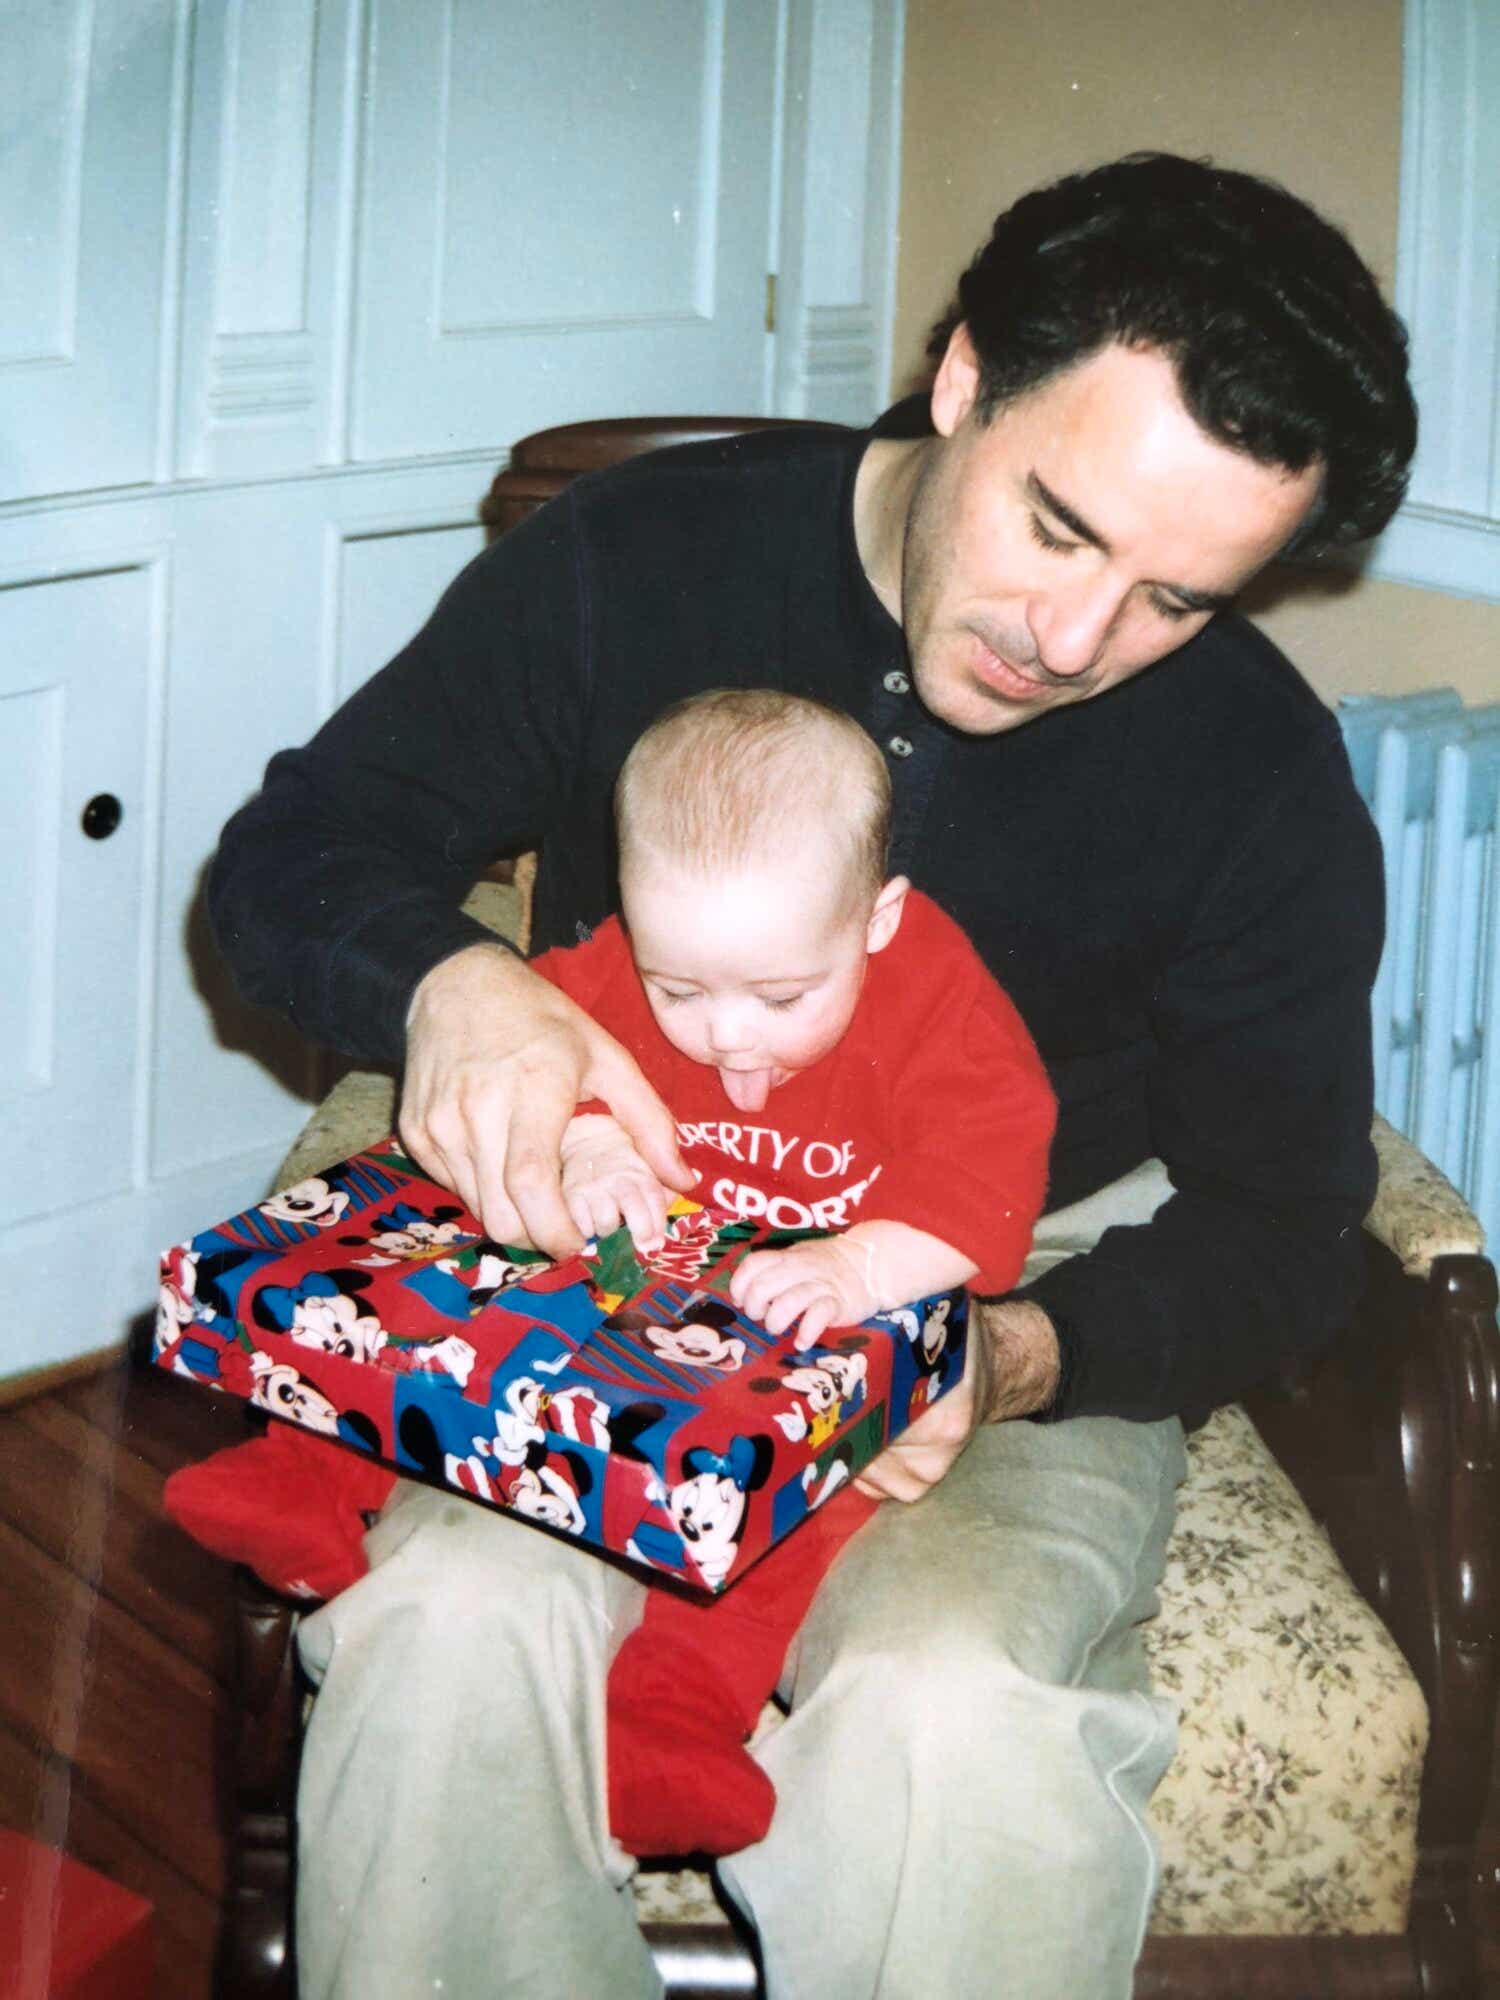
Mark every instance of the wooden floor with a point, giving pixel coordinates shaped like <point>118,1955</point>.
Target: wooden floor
<point>114,1647</point>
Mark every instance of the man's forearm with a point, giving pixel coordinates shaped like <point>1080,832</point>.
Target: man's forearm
<point>1019,1361</point>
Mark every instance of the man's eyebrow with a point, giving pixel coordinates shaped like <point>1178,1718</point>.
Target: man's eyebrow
<point>1074,523</point>
<point>1195,600</point>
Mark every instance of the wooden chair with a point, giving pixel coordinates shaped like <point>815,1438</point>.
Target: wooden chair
<point>1392,1441</point>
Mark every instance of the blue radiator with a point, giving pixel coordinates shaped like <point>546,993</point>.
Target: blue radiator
<point>1429,770</point>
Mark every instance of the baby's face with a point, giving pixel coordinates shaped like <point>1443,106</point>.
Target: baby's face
<point>753,974</point>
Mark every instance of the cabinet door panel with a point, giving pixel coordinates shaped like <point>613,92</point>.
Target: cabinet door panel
<point>389,582</point>
<point>87,113</point>
<point>74,657</point>
<point>566,214</point>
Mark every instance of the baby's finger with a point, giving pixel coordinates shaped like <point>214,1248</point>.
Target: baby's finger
<point>789,1305</point>
<point>579,1208</point>
<point>657,1200</point>
<point>763,1287</point>
<point>814,1324</point>
<point>780,1268</point>
<point>743,1277</point>
<point>609,1210</point>
<point>646,1226</point>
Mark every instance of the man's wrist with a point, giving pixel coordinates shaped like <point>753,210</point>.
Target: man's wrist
<point>461,974</point>
<point>1021,1360</point>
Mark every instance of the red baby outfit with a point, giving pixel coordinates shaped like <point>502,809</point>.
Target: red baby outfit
<point>934,1111</point>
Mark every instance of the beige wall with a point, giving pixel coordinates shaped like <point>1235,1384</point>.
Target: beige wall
<point>1002,94</point>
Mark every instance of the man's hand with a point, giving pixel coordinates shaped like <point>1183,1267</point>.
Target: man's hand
<point>497,1059</point>
<point>825,1283</point>
<point>1011,1368</point>
<point>606,1182</point>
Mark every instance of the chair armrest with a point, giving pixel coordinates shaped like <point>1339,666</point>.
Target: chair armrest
<point>268,1696</point>
<point>254,1957</point>
<point>1393,1438</point>
<point>1418,1214</point>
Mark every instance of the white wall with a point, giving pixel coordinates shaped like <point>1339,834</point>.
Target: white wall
<point>280,282</point>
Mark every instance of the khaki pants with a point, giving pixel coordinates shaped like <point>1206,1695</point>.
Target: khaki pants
<point>962,1779</point>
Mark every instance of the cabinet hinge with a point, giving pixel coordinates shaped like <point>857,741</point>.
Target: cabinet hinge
<point>770,302</point>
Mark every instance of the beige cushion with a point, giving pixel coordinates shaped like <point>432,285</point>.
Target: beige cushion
<point>1418,1214</point>
<point>359,1110</point>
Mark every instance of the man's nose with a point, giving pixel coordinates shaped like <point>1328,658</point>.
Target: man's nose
<point>1070,628</point>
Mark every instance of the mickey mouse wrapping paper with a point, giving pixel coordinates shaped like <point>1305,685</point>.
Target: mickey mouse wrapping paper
<point>622,1401</point>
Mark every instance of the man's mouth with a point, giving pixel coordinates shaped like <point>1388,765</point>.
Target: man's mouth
<point>1005,677</point>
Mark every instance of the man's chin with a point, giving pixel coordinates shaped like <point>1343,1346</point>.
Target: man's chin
<point>966,703</point>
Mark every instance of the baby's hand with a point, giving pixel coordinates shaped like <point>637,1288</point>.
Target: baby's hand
<point>825,1283</point>
<point>606,1182</point>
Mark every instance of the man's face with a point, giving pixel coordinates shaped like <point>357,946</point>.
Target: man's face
<point>1085,531</point>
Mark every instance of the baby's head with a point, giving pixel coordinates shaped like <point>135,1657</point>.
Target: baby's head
<point>753,829</point>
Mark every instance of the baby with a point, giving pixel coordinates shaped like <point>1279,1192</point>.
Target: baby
<point>876,1082</point>
<point>881,1086</point>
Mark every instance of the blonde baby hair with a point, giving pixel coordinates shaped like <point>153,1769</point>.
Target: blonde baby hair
<point>741,775</point>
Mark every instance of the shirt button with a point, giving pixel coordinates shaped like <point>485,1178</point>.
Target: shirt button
<point>899,746</point>
<point>896,682</point>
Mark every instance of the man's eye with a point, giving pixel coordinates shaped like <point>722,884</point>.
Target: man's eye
<point>1043,536</point>
<point>1167,607</point>
<point>784,1004</point>
<point>665,993</point>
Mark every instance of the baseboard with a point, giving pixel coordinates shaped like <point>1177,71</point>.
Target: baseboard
<point>42,1381</point>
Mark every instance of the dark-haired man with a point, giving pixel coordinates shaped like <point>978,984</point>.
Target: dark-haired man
<point>1157,377</point>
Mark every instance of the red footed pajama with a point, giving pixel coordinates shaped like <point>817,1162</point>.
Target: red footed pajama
<point>687,1687</point>
<point>289,1504</point>
<point>685,1690</point>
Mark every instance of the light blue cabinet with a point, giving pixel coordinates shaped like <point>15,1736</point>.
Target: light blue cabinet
<point>591,190</point>
<point>75,672</point>
<point>86,181</point>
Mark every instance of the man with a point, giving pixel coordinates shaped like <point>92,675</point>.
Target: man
<point>1156,377</point>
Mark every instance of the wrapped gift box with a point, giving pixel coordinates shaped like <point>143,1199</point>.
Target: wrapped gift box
<point>622,1401</point>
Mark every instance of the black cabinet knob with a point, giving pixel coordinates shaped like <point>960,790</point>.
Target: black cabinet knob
<point>102,815</point>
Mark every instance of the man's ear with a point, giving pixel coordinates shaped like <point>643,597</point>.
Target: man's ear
<point>885,918</point>
<point>957,383</point>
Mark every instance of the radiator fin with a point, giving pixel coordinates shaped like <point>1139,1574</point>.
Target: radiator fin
<point>1429,770</point>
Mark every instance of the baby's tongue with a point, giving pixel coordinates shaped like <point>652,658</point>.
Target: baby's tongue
<point>748,1088</point>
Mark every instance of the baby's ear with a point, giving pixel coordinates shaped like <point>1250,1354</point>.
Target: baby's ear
<point>885,918</point>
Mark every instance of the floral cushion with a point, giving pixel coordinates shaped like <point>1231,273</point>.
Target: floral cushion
<point>1291,1805</point>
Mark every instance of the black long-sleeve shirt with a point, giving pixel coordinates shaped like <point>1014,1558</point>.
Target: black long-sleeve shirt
<point>1175,881</point>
